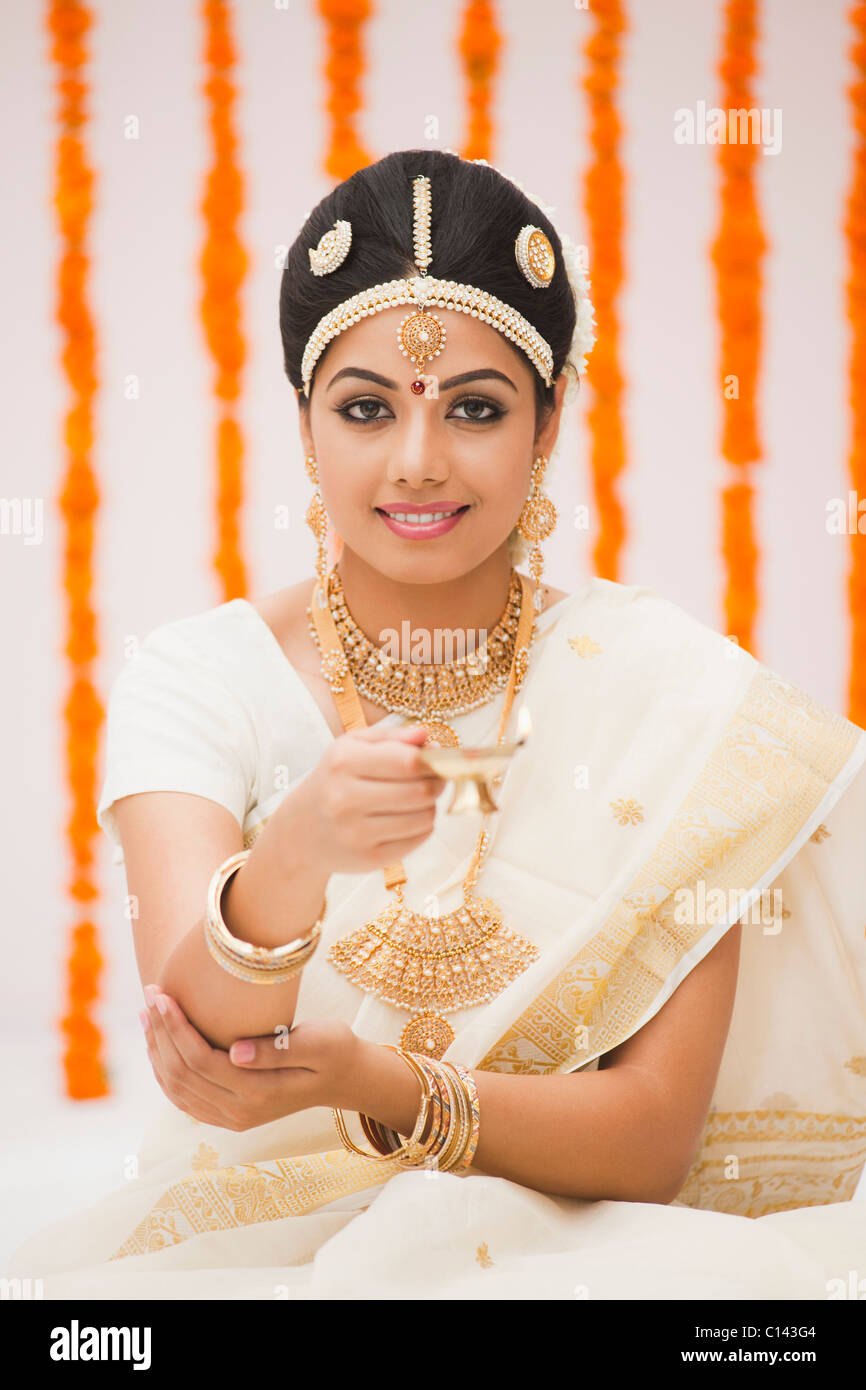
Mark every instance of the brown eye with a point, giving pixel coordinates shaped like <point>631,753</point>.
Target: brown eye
<point>473,403</point>
<point>367,406</point>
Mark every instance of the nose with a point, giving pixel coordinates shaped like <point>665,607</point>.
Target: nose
<point>418,457</point>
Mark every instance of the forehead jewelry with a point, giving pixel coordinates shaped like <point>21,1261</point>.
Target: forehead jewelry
<point>421,335</point>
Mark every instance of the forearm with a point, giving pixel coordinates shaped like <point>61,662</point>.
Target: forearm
<point>274,898</point>
<point>594,1135</point>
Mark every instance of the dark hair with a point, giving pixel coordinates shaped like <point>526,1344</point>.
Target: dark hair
<point>475,218</point>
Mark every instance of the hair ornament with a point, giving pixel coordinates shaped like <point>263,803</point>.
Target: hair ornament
<point>535,256</point>
<point>421,335</point>
<point>332,250</point>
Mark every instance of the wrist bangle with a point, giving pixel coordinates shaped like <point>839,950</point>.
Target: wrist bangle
<point>243,959</point>
<point>474,1117</point>
<point>410,1148</point>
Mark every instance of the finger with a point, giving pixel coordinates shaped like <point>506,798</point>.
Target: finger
<point>268,1052</point>
<point>181,1096</point>
<point>306,1050</point>
<point>395,757</point>
<point>178,1042</point>
<point>376,797</point>
<point>184,1099</point>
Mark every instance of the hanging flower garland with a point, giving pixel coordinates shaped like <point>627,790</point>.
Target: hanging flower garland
<point>855,229</point>
<point>343,68</point>
<point>480,42</point>
<point>604,210</point>
<point>736,253</point>
<point>67,23</point>
<point>223,265</point>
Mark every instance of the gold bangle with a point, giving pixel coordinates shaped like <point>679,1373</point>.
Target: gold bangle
<point>460,1128</point>
<point>409,1149</point>
<point>438,1140</point>
<point>392,1139</point>
<point>243,959</point>
<point>475,1117</point>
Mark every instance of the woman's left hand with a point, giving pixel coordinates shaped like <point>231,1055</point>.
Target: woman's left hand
<point>308,1065</point>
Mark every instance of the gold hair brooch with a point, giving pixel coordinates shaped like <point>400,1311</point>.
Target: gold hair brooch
<point>535,256</point>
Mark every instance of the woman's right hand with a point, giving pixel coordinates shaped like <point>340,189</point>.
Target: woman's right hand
<point>371,799</point>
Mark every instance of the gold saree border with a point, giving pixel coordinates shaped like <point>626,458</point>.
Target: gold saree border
<point>771,768</point>
<point>246,1194</point>
<point>769,771</point>
<point>757,1162</point>
<point>778,755</point>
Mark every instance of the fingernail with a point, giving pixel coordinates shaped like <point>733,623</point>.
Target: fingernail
<point>242,1051</point>
<point>144,1020</point>
<point>161,1003</point>
<point>150,993</point>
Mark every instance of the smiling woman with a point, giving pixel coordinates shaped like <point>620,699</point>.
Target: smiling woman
<point>611,1093</point>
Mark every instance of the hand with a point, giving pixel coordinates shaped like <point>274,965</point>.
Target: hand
<point>293,1069</point>
<point>370,800</point>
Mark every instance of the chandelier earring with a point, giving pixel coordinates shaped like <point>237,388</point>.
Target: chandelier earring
<point>536,522</point>
<point>317,520</point>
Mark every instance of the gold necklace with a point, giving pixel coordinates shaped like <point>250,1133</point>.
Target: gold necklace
<point>427,964</point>
<point>425,690</point>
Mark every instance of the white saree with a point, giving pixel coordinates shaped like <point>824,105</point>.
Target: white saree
<point>672,786</point>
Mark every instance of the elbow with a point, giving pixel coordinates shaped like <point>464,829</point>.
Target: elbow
<point>669,1181</point>
<point>661,1181</point>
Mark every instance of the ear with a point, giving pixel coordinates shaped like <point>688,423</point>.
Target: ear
<point>304,423</point>
<point>547,435</point>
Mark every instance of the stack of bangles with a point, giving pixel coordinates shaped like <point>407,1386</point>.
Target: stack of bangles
<point>446,1130</point>
<point>259,965</point>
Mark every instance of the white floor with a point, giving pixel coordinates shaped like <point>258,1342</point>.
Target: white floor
<point>58,1156</point>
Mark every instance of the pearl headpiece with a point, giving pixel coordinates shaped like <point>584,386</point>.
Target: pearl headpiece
<point>421,335</point>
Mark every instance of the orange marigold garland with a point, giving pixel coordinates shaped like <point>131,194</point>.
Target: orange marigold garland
<point>604,210</point>
<point>68,22</point>
<point>343,67</point>
<point>736,253</point>
<point>855,228</point>
<point>480,42</point>
<point>223,265</point>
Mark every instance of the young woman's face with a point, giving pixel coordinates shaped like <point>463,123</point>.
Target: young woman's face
<point>378,446</point>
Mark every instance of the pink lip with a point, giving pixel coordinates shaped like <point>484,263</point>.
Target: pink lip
<point>412,529</point>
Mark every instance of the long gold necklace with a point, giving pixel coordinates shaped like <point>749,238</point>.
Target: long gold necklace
<point>430,691</point>
<point>431,965</point>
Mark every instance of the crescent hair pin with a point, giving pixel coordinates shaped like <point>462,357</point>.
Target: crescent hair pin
<point>332,250</point>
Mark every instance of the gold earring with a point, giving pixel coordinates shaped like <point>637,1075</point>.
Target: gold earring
<point>536,522</point>
<point>317,520</point>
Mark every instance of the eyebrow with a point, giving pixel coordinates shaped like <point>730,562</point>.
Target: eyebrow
<point>390,385</point>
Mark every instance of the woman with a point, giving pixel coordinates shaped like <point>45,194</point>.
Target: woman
<point>644,1039</point>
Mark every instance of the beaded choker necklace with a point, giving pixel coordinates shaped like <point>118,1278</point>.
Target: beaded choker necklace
<point>424,690</point>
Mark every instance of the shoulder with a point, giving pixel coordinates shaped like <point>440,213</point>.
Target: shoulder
<point>206,666</point>
<point>639,609</point>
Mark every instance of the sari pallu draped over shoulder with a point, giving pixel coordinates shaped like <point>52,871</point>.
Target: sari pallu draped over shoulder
<point>672,786</point>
